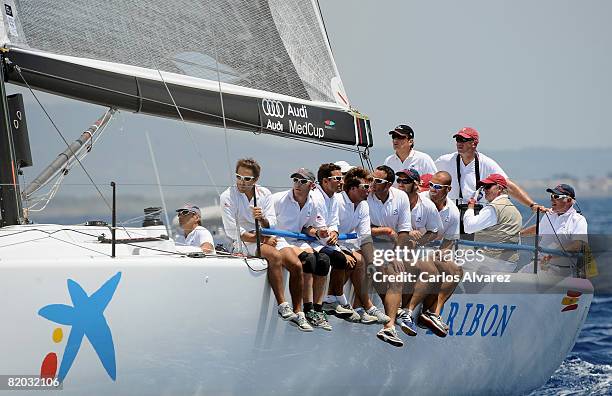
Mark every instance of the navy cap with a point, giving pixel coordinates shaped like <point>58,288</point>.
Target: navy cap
<point>403,130</point>
<point>563,189</point>
<point>410,173</point>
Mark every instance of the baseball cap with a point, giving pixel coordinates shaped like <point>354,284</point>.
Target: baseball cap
<point>411,173</point>
<point>344,166</point>
<point>190,208</point>
<point>493,178</point>
<point>425,179</point>
<point>403,129</point>
<point>468,133</point>
<point>304,174</point>
<point>563,189</point>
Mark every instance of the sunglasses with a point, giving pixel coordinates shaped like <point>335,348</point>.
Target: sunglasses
<point>404,181</point>
<point>335,178</point>
<point>461,139</point>
<point>245,178</point>
<point>364,186</point>
<point>397,136</point>
<point>488,186</point>
<point>437,186</point>
<point>183,213</point>
<point>378,180</point>
<point>558,196</point>
<point>297,180</point>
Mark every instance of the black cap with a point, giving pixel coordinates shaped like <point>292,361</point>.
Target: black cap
<point>563,189</point>
<point>403,130</point>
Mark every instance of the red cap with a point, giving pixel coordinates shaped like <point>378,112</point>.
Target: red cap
<point>468,133</point>
<point>494,178</point>
<point>425,179</point>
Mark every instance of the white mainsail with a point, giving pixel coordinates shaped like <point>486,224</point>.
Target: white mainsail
<point>154,56</point>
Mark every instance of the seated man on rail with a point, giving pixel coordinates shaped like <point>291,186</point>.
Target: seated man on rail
<point>426,225</point>
<point>563,228</point>
<point>239,213</point>
<point>296,211</point>
<point>354,217</point>
<point>191,232</point>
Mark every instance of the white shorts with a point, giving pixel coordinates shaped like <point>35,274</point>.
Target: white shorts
<point>282,243</point>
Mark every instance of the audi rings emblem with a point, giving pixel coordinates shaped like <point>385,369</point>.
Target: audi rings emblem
<point>273,108</point>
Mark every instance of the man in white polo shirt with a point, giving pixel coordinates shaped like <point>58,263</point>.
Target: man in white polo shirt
<point>193,234</point>
<point>239,214</point>
<point>390,218</point>
<point>426,224</point>
<point>561,227</point>
<point>438,188</point>
<point>467,166</point>
<point>329,177</point>
<point>354,217</point>
<point>297,211</point>
<point>406,156</point>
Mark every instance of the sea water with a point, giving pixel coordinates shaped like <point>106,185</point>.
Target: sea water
<point>587,370</point>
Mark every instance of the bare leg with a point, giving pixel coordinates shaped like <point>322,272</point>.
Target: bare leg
<point>447,288</point>
<point>422,289</point>
<point>296,286</point>
<point>336,282</point>
<point>360,283</point>
<point>307,287</point>
<point>275,271</point>
<point>393,297</point>
<point>319,288</point>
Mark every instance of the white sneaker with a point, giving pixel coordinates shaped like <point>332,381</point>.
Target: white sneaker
<point>300,321</point>
<point>378,314</point>
<point>285,311</point>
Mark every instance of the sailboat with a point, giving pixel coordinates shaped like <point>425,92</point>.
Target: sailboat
<point>123,310</point>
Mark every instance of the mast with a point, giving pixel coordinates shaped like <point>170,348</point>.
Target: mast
<point>10,199</point>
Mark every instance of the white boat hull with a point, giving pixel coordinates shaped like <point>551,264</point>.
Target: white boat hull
<point>209,325</point>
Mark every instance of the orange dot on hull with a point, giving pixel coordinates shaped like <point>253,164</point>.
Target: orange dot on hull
<point>49,366</point>
<point>58,335</point>
<point>570,308</point>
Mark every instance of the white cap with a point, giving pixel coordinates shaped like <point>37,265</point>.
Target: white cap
<point>344,166</point>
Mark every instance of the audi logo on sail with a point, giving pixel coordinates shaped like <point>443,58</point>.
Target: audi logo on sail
<point>273,108</point>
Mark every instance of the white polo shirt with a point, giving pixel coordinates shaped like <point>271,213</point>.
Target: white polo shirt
<point>327,205</point>
<point>486,165</point>
<point>393,213</point>
<point>353,219</point>
<point>196,237</point>
<point>418,160</point>
<point>570,226</point>
<point>425,216</point>
<point>290,217</point>
<point>236,208</point>
<point>449,215</point>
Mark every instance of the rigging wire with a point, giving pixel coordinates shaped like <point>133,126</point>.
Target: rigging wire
<point>161,191</point>
<point>18,69</point>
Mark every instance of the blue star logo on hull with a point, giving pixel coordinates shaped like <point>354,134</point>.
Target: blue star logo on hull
<point>86,317</point>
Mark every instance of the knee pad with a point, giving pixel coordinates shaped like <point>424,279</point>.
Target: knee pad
<point>337,259</point>
<point>309,262</point>
<point>322,267</point>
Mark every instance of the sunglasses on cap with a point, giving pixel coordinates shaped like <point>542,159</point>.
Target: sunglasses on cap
<point>364,186</point>
<point>558,196</point>
<point>297,180</point>
<point>398,136</point>
<point>335,178</point>
<point>185,212</point>
<point>462,139</point>
<point>401,180</point>
<point>245,178</point>
<point>378,180</point>
<point>437,186</point>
